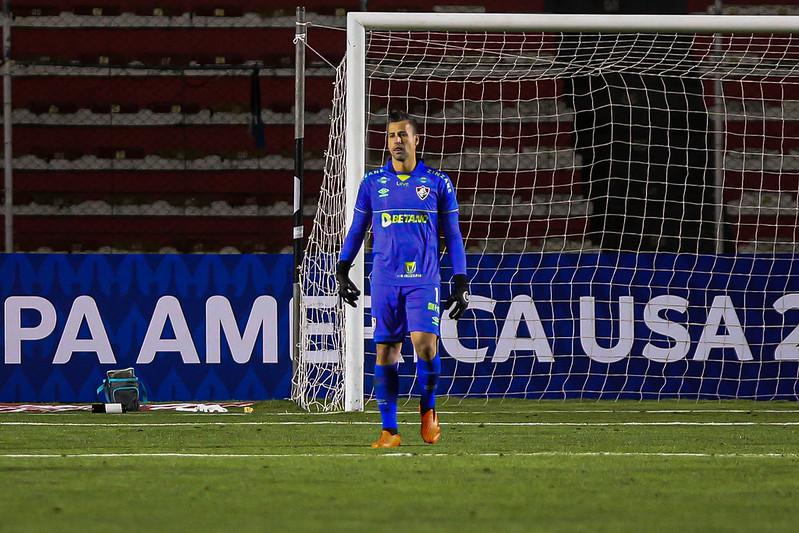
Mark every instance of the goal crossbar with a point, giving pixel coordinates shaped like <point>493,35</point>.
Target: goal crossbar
<point>513,22</point>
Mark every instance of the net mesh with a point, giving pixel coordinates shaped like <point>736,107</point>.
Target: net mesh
<point>628,204</point>
<point>318,382</point>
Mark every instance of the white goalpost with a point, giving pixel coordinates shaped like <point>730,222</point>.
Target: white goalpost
<point>628,190</point>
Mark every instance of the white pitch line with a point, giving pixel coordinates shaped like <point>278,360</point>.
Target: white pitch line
<point>441,412</point>
<point>365,423</point>
<point>396,454</point>
<point>600,411</point>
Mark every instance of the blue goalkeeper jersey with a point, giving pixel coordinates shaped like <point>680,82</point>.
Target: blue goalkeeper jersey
<point>406,211</point>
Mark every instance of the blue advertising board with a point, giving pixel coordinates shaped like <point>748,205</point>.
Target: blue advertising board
<point>69,318</point>
<point>623,326</point>
<point>587,325</point>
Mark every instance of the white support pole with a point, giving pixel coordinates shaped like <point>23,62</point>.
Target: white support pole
<point>718,143</point>
<point>356,142</point>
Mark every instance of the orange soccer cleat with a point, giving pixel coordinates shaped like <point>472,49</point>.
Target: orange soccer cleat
<point>431,431</point>
<point>387,440</point>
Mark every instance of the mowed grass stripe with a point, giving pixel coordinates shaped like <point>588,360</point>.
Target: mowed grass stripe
<point>397,454</point>
<point>372,423</point>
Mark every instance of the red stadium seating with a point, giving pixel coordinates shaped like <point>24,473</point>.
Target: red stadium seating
<point>149,92</point>
<point>101,183</point>
<point>122,96</point>
<point>228,140</point>
<point>177,7</point>
<point>534,229</point>
<point>150,46</point>
<point>187,233</point>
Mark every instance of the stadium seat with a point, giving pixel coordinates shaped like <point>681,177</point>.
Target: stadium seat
<point>122,46</point>
<point>104,182</point>
<point>178,7</point>
<point>186,234</point>
<point>37,93</point>
<point>229,141</point>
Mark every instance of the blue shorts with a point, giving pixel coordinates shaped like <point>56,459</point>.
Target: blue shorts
<point>396,311</point>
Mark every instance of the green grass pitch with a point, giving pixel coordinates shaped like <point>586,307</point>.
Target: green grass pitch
<point>500,466</point>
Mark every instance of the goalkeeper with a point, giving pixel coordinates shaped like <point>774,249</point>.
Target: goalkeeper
<point>407,204</point>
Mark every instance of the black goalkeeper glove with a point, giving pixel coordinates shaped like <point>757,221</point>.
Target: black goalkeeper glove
<point>459,297</point>
<point>347,290</point>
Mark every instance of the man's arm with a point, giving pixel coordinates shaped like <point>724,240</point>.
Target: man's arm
<point>347,290</point>
<point>448,221</point>
<point>354,238</point>
<point>457,255</point>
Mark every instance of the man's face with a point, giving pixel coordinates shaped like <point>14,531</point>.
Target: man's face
<point>401,140</point>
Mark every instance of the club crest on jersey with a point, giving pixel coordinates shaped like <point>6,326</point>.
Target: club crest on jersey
<point>422,191</point>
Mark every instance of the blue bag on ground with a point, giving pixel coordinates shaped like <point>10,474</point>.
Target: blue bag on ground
<point>122,386</point>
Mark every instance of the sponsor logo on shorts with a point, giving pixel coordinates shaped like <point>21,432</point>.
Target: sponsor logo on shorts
<point>435,320</point>
<point>387,219</point>
<point>432,307</point>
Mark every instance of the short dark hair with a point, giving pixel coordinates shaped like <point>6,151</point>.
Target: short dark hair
<point>396,115</point>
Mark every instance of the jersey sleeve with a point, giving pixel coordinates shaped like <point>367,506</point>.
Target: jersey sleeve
<point>360,223</point>
<point>447,200</point>
<point>454,241</point>
<point>363,202</point>
<point>448,219</point>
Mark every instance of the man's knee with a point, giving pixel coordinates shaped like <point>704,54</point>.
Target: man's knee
<point>425,344</point>
<point>388,354</point>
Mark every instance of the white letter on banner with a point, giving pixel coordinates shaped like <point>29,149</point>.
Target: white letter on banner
<point>522,309</point>
<point>788,350</point>
<point>672,330</point>
<point>588,331</point>
<point>84,307</point>
<point>321,332</point>
<point>449,333</point>
<point>168,307</point>
<point>219,317</point>
<point>15,333</point>
<point>722,308</point>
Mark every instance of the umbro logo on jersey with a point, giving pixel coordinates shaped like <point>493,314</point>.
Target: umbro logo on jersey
<point>422,191</point>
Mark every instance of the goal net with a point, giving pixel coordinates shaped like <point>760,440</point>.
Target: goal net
<point>628,204</point>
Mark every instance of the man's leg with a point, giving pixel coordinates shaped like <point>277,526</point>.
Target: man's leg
<point>423,306</point>
<point>388,320</point>
<point>428,367</point>
<point>387,384</point>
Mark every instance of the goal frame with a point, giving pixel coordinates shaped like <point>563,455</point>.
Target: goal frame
<point>359,22</point>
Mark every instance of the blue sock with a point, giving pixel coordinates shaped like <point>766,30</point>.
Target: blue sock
<point>386,391</point>
<point>427,373</point>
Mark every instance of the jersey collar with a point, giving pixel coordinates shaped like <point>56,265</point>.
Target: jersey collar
<point>419,169</point>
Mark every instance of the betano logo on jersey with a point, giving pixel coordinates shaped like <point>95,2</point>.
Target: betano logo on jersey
<point>387,219</point>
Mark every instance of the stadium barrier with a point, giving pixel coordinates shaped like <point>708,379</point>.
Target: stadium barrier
<point>216,327</point>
